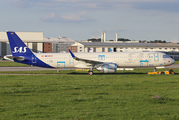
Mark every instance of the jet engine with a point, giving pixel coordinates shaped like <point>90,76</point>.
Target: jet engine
<point>107,68</point>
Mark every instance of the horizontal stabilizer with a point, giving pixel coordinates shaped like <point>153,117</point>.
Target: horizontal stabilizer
<point>10,57</point>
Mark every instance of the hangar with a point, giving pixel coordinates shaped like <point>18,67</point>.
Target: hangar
<point>59,44</point>
<point>172,49</point>
<point>122,47</point>
<point>36,42</point>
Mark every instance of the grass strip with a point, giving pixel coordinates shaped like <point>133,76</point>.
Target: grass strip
<point>135,96</point>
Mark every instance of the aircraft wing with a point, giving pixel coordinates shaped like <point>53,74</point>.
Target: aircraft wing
<point>85,60</point>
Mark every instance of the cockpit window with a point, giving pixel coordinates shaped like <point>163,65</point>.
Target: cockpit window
<point>166,56</point>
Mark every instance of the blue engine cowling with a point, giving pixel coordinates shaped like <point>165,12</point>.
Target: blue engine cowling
<point>107,68</point>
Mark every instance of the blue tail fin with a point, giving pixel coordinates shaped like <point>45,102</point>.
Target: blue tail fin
<point>90,50</point>
<point>18,48</point>
<point>21,53</point>
<point>111,50</point>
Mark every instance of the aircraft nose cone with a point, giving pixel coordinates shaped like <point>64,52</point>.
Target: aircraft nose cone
<point>172,61</point>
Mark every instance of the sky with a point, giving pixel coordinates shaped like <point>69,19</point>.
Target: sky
<point>84,19</point>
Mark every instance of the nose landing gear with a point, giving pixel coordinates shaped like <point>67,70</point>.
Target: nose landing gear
<point>90,72</point>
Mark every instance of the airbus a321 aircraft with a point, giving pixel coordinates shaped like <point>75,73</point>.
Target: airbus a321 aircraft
<point>105,62</point>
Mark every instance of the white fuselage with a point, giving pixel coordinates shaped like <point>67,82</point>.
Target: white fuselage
<point>122,59</point>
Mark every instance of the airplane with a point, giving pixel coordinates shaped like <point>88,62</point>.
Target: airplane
<point>111,50</point>
<point>105,62</point>
<point>90,50</point>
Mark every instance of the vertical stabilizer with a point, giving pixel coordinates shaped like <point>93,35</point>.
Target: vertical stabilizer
<point>18,48</point>
<point>21,53</point>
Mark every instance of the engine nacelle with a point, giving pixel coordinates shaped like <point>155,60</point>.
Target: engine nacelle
<point>107,68</point>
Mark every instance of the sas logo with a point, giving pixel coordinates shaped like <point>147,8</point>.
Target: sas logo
<point>19,50</point>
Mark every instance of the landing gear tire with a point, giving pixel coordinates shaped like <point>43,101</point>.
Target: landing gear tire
<point>90,73</point>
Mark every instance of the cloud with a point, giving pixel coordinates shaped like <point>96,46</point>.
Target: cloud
<point>177,21</point>
<point>142,1</point>
<point>68,0</point>
<point>115,1</point>
<point>83,5</point>
<point>73,17</point>
<point>51,18</point>
<point>124,5</point>
<point>161,6</point>
<point>88,5</point>
<point>164,5</point>
<point>82,16</point>
<point>19,3</point>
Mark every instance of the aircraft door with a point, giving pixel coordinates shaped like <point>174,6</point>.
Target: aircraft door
<point>144,63</point>
<point>156,57</point>
<point>101,57</point>
<point>71,60</point>
<point>60,64</point>
<point>34,58</point>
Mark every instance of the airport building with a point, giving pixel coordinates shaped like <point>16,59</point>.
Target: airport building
<point>59,44</point>
<point>172,49</point>
<point>36,42</point>
<point>123,47</point>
